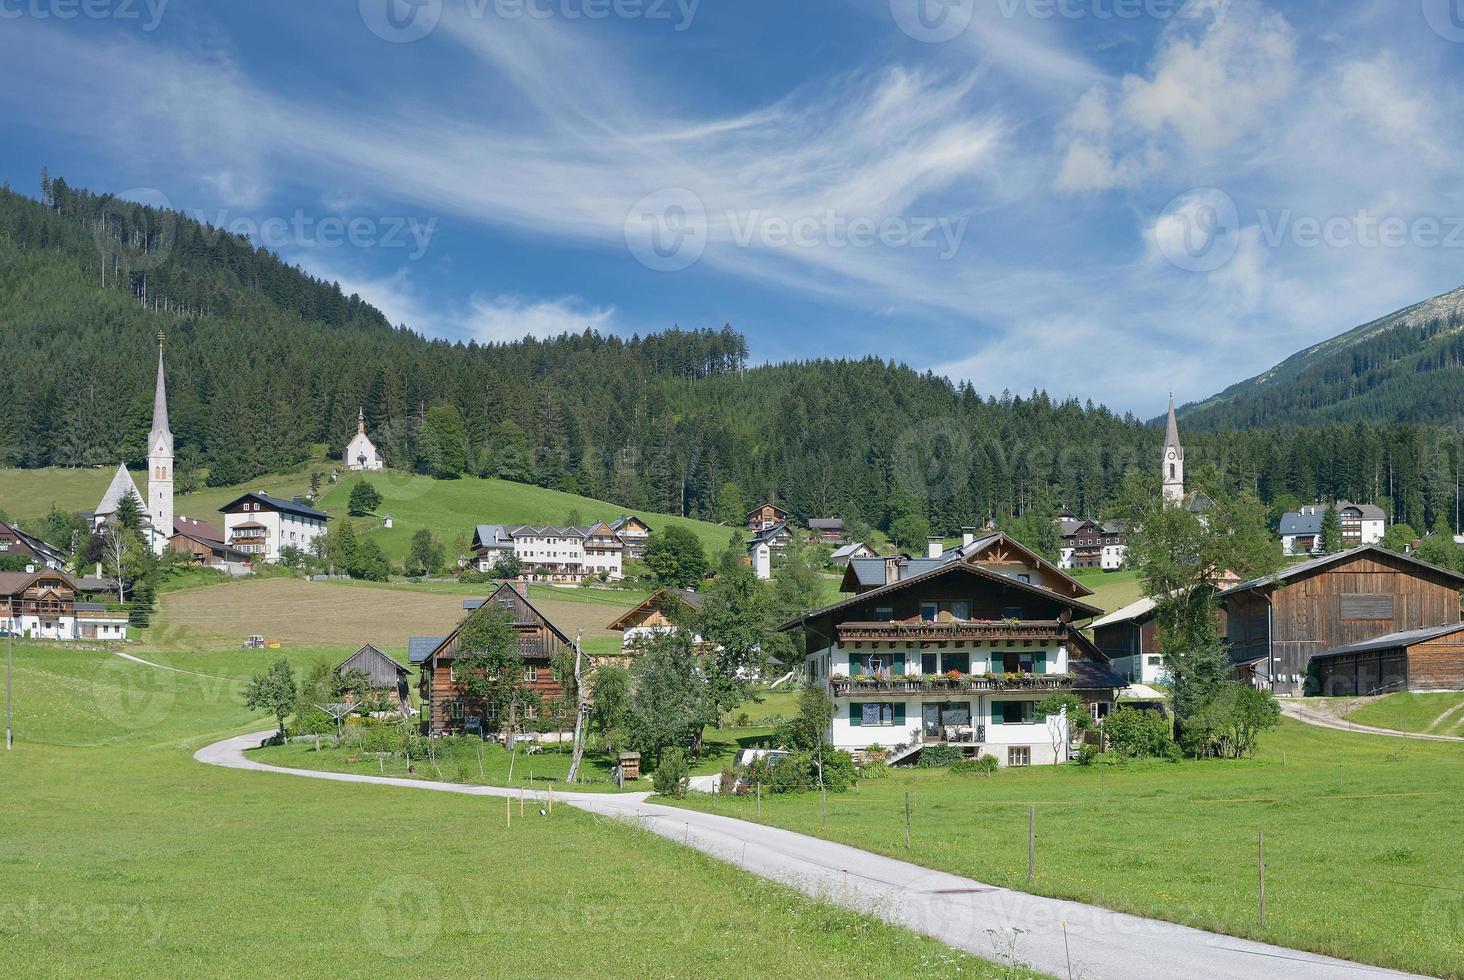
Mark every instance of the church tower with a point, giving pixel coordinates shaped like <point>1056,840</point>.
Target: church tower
<point>1173,460</point>
<point>160,464</point>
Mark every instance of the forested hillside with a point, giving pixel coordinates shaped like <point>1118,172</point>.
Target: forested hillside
<point>265,361</point>
<point>1407,366</point>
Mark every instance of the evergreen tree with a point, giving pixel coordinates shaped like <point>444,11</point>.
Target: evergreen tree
<point>1331,531</point>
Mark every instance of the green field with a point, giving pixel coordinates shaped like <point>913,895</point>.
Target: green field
<point>123,856</point>
<point>1432,714</point>
<point>1361,839</point>
<point>1112,590</point>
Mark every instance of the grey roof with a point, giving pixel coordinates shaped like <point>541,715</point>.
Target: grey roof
<point>1308,520</point>
<point>848,550</point>
<point>35,544</point>
<point>471,604</point>
<point>1090,675</point>
<point>625,519</point>
<point>419,648</point>
<point>121,486</point>
<point>1403,638</point>
<point>826,524</point>
<point>768,535</point>
<point>1316,563</point>
<point>502,535</point>
<point>298,507</point>
<point>92,607</point>
<point>1171,427</point>
<point>381,666</point>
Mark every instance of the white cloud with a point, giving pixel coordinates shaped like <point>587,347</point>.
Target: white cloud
<point>508,318</point>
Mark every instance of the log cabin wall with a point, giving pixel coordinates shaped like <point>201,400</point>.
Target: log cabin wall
<point>1437,665</point>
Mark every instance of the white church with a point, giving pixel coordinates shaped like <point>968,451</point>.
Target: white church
<point>361,452</point>
<point>157,507</point>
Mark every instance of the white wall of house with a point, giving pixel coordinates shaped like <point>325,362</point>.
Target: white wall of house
<point>281,530</point>
<point>1145,668</point>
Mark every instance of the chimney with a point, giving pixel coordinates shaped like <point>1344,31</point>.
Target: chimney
<point>935,545</point>
<point>968,537</point>
<point>99,569</point>
<point>762,561</point>
<point>521,586</point>
<point>892,570</point>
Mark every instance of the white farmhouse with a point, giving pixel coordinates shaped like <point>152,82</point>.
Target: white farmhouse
<point>260,525</point>
<point>1301,530</point>
<point>552,554</point>
<point>361,452</point>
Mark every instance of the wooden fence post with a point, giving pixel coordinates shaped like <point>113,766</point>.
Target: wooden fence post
<point>1261,861</point>
<point>907,820</point>
<point>1031,843</point>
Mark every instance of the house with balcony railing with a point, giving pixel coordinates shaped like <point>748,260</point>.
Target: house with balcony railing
<point>961,653</point>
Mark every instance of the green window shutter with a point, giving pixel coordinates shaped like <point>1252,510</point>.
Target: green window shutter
<point>856,714</point>
<point>856,664</point>
<point>899,712</point>
<point>1040,665</point>
<point>897,666</point>
<point>996,713</point>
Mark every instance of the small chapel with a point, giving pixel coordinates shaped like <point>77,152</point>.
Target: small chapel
<point>361,452</point>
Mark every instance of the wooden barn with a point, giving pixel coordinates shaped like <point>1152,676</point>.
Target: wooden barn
<point>1413,660</point>
<point>444,708</point>
<point>1277,624</point>
<point>387,676</point>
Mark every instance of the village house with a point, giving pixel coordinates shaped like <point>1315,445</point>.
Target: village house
<point>204,545</point>
<point>387,677</point>
<point>552,554</point>
<point>828,530</point>
<point>1092,544</point>
<point>776,538</point>
<point>1301,530</point>
<point>1276,625</point>
<point>445,708</point>
<point>956,648</point>
<point>48,604</point>
<point>1130,639</point>
<point>29,548</point>
<point>633,533</point>
<point>653,614</point>
<point>360,453</point>
<point>843,556</point>
<point>259,525</point>
<point>767,516</point>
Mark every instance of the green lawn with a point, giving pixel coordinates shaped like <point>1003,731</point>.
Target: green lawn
<point>1361,839</point>
<point>1433,714</point>
<point>28,494</point>
<point>123,856</point>
<point>453,508</point>
<point>1111,590</point>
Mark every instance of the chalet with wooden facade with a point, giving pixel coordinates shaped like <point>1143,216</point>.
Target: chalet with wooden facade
<point>958,649</point>
<point>260,525</point>
<point>1092,544</point>
<point>1130,639</point>
<point>445,709</point>
<point>204,545</point>
<point>634,533</point>
<point>654,614</point>
<point>1278,624</point>
<point>47,604</point>
<point>828,530</point>
<point>767,516</point>
<point>29,548</point>
<point>386,677</point>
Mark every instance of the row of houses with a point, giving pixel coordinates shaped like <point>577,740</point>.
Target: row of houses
<point>50,604</point>
<point>566,554</point>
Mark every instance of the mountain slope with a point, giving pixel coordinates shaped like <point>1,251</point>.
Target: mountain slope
<point>1403,367</point>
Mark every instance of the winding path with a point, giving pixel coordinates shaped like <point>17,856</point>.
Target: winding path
<point>1303,714</point>
<point>1065,939</point>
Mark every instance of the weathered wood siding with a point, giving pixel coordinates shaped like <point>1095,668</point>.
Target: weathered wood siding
<point>1437,665</point>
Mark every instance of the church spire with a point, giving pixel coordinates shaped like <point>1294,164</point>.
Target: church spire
<point>160,402</point>
<point>361,421</point>
<point>1172,459</point>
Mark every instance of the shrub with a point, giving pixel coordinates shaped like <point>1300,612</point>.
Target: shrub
<point>670,777</point>
<point>798,772</point>
<point>986,766</point>
<point>727,780</point>
<point>939,756</point>
<point>1138,734</point>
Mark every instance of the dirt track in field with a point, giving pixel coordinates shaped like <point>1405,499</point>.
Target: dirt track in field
<point>297,612</point>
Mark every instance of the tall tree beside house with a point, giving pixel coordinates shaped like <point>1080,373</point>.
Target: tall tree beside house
<point>490,671</point>
<point>364,499</point>
<point>734,620</point>
<point>670,703</point>
<point>1331,531</point>
<point>675,557</point>
<point>1178,552</point>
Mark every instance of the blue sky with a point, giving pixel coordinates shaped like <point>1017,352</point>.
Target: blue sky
<point>1102,198</point>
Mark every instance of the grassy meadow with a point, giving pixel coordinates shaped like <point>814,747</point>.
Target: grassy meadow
<point>1361,839</point>
<point>1432,713</point>
<point>123,856</point>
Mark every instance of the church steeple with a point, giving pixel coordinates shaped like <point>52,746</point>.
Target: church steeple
<point>1172,459</point>
<point>361,421</point>
<point>160,462</point>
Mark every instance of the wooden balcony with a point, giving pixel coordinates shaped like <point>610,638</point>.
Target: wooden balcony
<point>994,631</point>
<point>964,684</point>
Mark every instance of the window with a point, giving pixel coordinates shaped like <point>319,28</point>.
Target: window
<point>960,610</point>
<point>879,714</point>
<point>929,611</point>
<point>1019,755</point>
<point>531,673</point>
<point>929,664</point>
<point>1024,577</point>
<point>884,614</point>
<point>455,710</point>
<point>1012,612</point>
<point>1376,607</point>
<point>1013,712</point>
<point>956,661</point>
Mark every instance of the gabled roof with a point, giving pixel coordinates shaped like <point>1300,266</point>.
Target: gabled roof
<point>121,486</point>
<point>297,507</point>
<point>625,519</point>
<point>1134,610</point>
<point>370,650</point>
<point>35,544</point>
<point>419,648</point>
<point>826,524</point>
<point>657,600</point>
<point>870,572</point>
<point>1403,638</point>
<point>524,614</point>
<point>1317,564</point>
<point>768,534</point>
<point>1080,608</point>
<point>761,507</point>
<point>1308,520</point>
<point>12,583</point>
<point>848,550</point>
<point>199,530</point>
